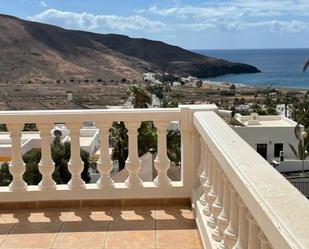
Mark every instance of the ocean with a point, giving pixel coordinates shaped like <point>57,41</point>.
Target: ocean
<point>280,67</point>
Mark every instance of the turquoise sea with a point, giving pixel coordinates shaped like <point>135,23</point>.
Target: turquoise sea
<point>280,67</point>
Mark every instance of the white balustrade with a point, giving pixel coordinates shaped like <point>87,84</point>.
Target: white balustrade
<point>208,183</point>
<point>264,243</point>
<point>212,196</point>
<point>133,164</point>
<point>231,232</point>
<point>104,164</point>
<point>162,163</point>
<point>203,174</point>
<point>242,241</point>
<point>242,208</point>
<point>218,205</point>
<point>75,165</point>
<point>253,242</point>
<point>224,217</point>
<point>46,165</point>
<point>17,166</point>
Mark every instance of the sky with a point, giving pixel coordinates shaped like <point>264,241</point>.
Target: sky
<point>194,24</point>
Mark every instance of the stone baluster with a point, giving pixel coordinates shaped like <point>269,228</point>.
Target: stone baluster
<point>218,205</point>
<point>46,165</point>
<point>162,162</point>
<point>231,232</point>
<point>264,243</point>
<point>208,183</point>
<point>17,166</point>
<point>253,233</point>
<point>104,164</point>
<point>212,195</point>
<point>203,176</point>
<point>133,164</point>
<point>224,217</point>
<point>242,241</point>
<point>75,164</point>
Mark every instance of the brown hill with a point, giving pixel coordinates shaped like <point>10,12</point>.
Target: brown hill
<point>39,52</point>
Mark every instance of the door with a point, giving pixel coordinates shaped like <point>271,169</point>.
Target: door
<point>262,150</point>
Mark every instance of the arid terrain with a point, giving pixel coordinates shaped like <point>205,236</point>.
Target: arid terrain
<point>32,52</point>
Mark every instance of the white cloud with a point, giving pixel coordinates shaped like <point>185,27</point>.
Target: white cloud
<point>97,23</point>
<point>272,15</point>
<point>43,4</point>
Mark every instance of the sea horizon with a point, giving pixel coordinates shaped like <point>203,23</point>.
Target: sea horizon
<point>280,67</point>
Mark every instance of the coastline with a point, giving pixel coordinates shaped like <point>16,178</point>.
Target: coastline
<point>227,84</point>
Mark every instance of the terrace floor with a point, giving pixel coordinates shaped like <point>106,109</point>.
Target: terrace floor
<point>169,227</point>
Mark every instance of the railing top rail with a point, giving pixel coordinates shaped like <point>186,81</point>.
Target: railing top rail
<point>96,115</point>
<point>281,210</point>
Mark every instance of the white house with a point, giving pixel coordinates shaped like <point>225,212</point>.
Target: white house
<point>268,135</point>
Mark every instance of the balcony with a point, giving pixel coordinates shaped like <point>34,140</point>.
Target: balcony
<point>228,195</point>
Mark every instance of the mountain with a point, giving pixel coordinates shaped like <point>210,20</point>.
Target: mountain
<point>40,52</point>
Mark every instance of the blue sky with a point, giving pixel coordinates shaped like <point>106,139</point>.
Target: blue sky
<point>194,24</point>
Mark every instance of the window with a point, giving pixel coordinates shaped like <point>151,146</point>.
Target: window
<point>277,149</point>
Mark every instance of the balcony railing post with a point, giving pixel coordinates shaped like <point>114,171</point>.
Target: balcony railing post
<point>218,205</point>
<point>231,232</point>
<point>162,162</point>
<point>208,185</point>
<point>133,164</point>
<point>224,217</point>
<point>17,166</point>
<point>264,243</point>
<point>46,165</point>
<point>242,241</point>
<point>253,233</point>
<point>75,164</point>
<point>104,164</point>
<point>203,170</point>
<point>212,195</point>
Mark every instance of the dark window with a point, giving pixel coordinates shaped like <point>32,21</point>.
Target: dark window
<point>277,149</point>
<point>262,150</point>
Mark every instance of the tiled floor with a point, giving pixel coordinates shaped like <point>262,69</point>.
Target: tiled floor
<point>171,227</point>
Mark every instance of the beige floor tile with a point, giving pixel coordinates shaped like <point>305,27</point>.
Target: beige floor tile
<point>32,235</point>
<point>77,234</point>
<point>134,213</point>
<point>143,239</point>
<point>176,239</point>
<point>10,217</point>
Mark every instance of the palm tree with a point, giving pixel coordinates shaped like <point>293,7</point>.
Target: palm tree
<point>140,97</point>
<point>306,65</point>
<point>301,152</point>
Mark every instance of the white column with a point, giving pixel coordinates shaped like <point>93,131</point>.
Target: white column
<point>224,217</point>
<point>162,163</point>
<point>208,183</point>
<point>264,243</point>
<point>17,166</point>
<point>104,164</point>
<point>133,164</point>
<point>242,241</point>
<point>253,233</point>
<point>212,195</point>
<point>218,205</point>
<point>75,164</point>
<point>203,176</point>
<point>46,165</point>
<point>231,232</point>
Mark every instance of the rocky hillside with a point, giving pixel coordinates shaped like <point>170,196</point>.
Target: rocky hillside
<point>39,52</point>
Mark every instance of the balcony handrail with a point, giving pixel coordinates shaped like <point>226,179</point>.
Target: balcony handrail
<point>47,116</point>
<point>247,171</point>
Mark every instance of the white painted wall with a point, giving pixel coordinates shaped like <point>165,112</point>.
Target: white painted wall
<point>269,136</point>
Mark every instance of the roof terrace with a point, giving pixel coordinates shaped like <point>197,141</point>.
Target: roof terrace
<point>228,195</point>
